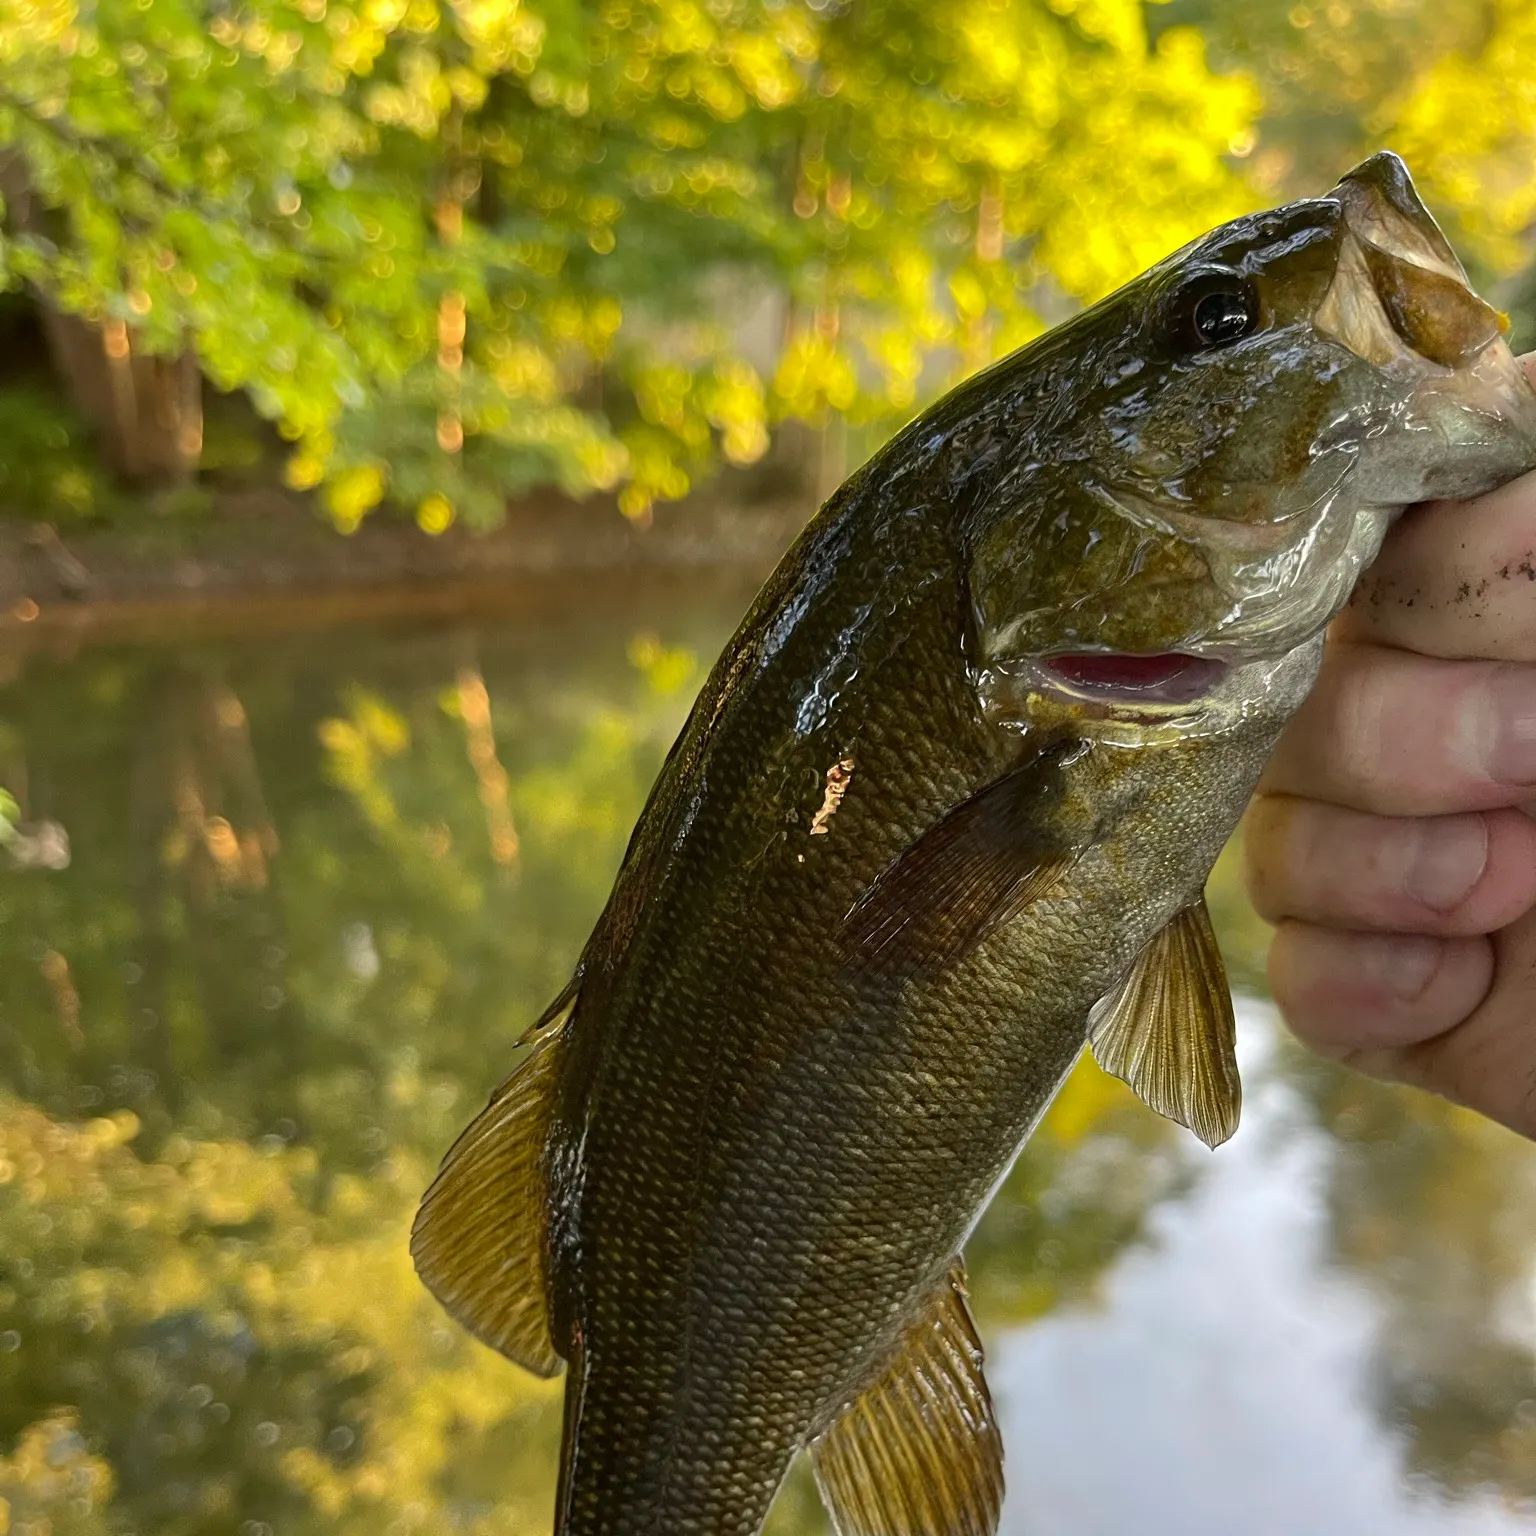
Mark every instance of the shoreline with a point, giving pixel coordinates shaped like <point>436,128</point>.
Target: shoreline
<point>265,560</point>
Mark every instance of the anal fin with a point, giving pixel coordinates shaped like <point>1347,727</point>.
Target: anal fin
<point>1168,1031</point>
<point>478,1238</point>
<point>918,1453</point>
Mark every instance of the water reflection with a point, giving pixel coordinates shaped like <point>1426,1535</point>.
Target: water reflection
<point>318,885</point>
<point>1228,1379</point>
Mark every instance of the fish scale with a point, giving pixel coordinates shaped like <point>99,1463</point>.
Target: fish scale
<point>834,1064</point>
<point>732,946</point>
<point>943,814</point>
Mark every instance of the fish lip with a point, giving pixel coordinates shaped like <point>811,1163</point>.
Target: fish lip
<point>1382,207</point>
<point>1204,529</point>
<point>1024,695</point>
<point>1400,298</point>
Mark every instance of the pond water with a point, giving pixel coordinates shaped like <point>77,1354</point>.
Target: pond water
<point>318,880</point>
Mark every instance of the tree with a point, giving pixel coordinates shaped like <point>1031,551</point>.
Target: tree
<point>1446,83</point>
<point>454,248</point>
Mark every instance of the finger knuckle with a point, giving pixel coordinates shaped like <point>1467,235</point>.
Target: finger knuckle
<point>1362,746</point>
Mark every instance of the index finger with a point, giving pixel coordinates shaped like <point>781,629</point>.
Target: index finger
<point>1456,578</point>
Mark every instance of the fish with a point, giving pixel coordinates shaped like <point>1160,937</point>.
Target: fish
<point>942,817</point>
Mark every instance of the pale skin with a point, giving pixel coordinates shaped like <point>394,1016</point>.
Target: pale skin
<point>1393,840</point>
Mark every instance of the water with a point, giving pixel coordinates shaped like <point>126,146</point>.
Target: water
<point>320,878</point>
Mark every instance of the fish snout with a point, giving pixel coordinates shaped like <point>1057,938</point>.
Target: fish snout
<point>1399,295</point>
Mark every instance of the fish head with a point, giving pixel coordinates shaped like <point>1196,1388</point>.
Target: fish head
<point>1226,442</point>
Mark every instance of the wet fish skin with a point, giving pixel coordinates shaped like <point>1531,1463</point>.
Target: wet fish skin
<point>785,1086</point>
<point>850,1138</point>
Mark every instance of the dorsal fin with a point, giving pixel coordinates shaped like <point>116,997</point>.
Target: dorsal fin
<point>978,866</point>
<point>1167,1030</point>
<point>918,1453</point>
<point>478,1239</point>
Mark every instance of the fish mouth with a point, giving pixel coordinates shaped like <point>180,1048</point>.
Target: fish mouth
<point>1399,295</point>
<point>1399,299</point>
<point>1133,699</point>
<point>1133,682</point>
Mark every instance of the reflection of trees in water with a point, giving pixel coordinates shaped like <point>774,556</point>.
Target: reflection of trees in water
<point>1434,1210</point>
<point>286,964</point>
<point>1075,1200</point>
<point>282,1029</point>
<point>300,960</point>
<point>241,1341</point>
<point>134,942</point>
<point>216,956</point>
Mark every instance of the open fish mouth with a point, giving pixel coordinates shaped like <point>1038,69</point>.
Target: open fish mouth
<point>1133,681</point>
<point>1399,294</point>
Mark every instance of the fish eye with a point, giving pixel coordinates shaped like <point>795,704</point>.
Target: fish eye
<point>1217,308</point>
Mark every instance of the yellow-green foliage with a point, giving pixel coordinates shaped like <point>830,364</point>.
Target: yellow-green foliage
<point>1446,83</point>
<point>455,248</point>
<point>1469,124</point>
<point>250,1241</point>
<point>397,224</point>
<point>52,1485</point>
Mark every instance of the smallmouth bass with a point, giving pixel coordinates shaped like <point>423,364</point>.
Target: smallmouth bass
<point>942,813</point>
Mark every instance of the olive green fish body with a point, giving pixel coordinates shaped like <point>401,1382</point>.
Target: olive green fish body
<point>942,813</point>
<point>708,1150</point>
<point>755,1136</point>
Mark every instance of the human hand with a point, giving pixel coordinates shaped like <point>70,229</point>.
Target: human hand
<point>1388,843</point>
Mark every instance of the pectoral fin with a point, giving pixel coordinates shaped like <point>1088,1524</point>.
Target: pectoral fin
<point>478,1239</point>
<point>918,1453</point>
<point>978,866</point>
<point>1168,1030</point>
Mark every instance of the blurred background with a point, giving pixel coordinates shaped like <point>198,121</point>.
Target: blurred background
<point>399,403</point>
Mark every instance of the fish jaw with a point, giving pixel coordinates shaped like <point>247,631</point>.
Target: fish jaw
<point>1400,300</point>
<point>1398,291</point>
<point>1383,208</point>
<point>1223,504</point>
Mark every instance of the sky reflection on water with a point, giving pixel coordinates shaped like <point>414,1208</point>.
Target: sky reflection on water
<point>1224,1378</point>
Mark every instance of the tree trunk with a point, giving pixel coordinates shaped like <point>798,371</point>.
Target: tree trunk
<point>147,412</point>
